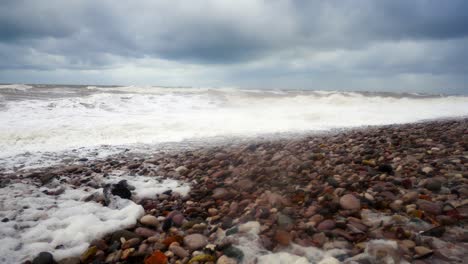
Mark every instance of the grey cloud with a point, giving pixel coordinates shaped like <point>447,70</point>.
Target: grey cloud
<point>98,35</point>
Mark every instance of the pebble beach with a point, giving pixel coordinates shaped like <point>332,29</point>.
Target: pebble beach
<point>381,194</point>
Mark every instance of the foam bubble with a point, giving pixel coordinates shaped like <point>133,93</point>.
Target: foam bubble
<point>65,224</point>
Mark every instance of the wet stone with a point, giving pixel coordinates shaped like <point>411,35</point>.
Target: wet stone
<point>350,202</point>
<point>195,241</point>
<point>44,258</point>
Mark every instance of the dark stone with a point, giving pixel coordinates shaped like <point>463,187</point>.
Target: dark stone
<point>284,221</point>
<point>167,224</point>
<point>44,258</point>
<point>234,252</point>
<point>121,189</point>
<point>433,185</point>
<point>437,231</point>
<point>125,234</point>
<point>232,231</point>
<point>387,168</point>
<point>4,220</point>
<point>226,222</point>
<point>332,182</point>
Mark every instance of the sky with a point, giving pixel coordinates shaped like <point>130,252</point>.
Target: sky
<point>385,45</point>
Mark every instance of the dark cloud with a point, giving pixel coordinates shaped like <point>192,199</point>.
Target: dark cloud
<point>264,37</point>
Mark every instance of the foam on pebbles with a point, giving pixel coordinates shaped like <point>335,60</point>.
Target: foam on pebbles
<point>39,218</point>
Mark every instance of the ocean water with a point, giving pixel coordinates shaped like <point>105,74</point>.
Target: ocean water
<point>38,121</point>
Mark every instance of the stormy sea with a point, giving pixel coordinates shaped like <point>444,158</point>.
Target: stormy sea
<point>114,173</point>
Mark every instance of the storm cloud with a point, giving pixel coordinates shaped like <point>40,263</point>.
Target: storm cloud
<point>418,45</point>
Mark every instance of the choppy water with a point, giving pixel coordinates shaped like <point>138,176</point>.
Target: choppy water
<point>38,120</point>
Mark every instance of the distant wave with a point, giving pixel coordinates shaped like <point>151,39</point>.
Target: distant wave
<point>19,87</point>
<point>56,118</point>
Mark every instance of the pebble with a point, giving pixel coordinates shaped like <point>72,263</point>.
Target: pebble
<point>422,252</point>
<point>429,207</point>
<point>123,233</point>
<point>433,185</point>
<point>350,202</point>
<point>44,258</point>
<point>410,197</point>
<point>226,260</point>
<point>427,170</point>
<point>88,254</point>
<point>131,243</point>
<point>195,241</point>
<point>145,232</point>
<point>179,251</point>
<point>149,220</point>
<point>220,193</point>
<point>284,221</point>
<point>283,237</point>
<point>327,224</point>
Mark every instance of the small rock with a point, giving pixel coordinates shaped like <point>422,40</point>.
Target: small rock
<point>212,211</point>
<point>178,251</point>
<point>195,241</point>
<point>326,225</point>
<point>427,170</point>
<point>88,254</point>
<point>422,252</point>
<point>369,162</point>
<point>114,256</point>
<point>234,253</point>
<point>410,197</point>
<point>121,189</point>
<point>433,185</point>
<point>284,221</point>
<point>149,220</point>
<point>249,227</point>
<point>369,197</point>
<point>202,258</point>
<point>387,168</point>
<point>145,232</point>
<point>350,202</point>
<point>131,243</point>
<point>383,251</point>
<point>156,258</point>
<point>123,233</point>
<point>408,243</point>
<point>429,207</point>
<point>44,258</point>
<point>221,193</point>
<point>226,260</point>
<point>283,237</point>
<point>71,260</point>
<point>182,170</point>
<point>127,253</point>
<point>178,219</point>
<point>319,239</point>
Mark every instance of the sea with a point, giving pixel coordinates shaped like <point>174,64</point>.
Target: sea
<point>41,125</point>
<point>45,125</point>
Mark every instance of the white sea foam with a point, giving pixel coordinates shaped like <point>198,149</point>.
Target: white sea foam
<point>129,115</point>
<point>148,187</point>
<point>65,224</point>
<point>19,87</point>
<point>248,241</point>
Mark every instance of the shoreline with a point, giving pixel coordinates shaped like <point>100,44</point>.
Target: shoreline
<point>406,184</point>
<point>145,150</point>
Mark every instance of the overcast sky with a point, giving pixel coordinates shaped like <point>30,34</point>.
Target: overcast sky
<point>417,45</point>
